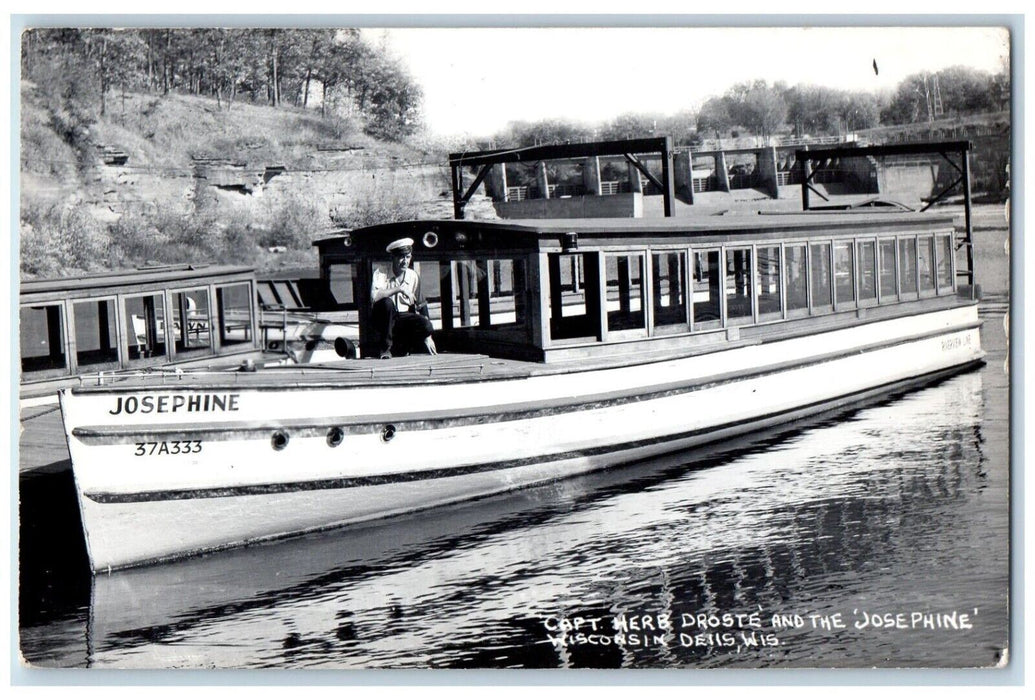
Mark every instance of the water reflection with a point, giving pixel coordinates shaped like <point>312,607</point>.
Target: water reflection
<point>898,506</point>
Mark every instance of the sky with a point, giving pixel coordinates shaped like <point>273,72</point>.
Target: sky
<point>476,80</point>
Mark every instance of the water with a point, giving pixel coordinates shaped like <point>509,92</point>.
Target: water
<point>893,509</point>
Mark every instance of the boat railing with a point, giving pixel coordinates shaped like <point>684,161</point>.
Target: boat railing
<point>419,367</point>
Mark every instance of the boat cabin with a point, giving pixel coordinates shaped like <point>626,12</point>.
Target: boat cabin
<point>553,290</point>
<point>149,317</point>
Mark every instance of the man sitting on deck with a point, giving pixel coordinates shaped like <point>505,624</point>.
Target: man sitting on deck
<point>400,314</point>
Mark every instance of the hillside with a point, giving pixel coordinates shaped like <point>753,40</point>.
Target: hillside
<point>177,178</point>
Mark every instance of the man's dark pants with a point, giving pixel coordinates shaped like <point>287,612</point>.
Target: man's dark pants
<point>401,332</point>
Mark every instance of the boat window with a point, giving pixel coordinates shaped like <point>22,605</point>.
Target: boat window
<point>42,334</point>
<point>819,276</point>
<point>907,265</point>
<point>769,283</point>
<point>431,273</point>
<point>796,274</point>
<point>668,277</point>
<point>867,254</point>
<point>844,274</point>
<point>739,287</point>
<point>888,288</point>
<point>624,291</point>
<point>707,290</point>
<point>191,323</point>
<point>235,313</point>
<point>926,263</point>
<point>145,327</point>
<point>488,292</point>
<point>341,281</point>
<point>574,295</point>
<point>945,276</point>
<point>95,334</point>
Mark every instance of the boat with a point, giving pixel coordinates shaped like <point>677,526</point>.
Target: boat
<point>168,316</point>
<point>164,318</point>
<point>566,346</point>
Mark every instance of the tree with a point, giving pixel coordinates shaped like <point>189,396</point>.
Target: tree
<point>757,106</point>
<point>714,117</point>
<point>391,100</point>
<point>857,110</point>
<point>966,90</point>
<point>811,109</point>
<point>117,56</point>
<point>318,45</point>
<point>909,102</point>
<point>545,131</point>
<point>632,126</point>
<point>681,126</point>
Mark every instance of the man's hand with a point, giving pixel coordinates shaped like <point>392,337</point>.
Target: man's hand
<point>404,295</point>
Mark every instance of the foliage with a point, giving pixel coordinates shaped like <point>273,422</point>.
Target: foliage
<point>378,203</point>
<point>292,221</point>
<point>59,239</point>
<point>64,92</point>
<point>520,134</point>
<point>714,117</point>
<point>811,109</point>
<point>963,90</point>
<point>757,106</point>
<point>271,66</point>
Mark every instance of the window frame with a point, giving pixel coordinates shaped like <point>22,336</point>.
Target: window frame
<point>113,301</point>
<point>67,348</point>
<point>161,329</point>
<point>645,302</point>
<point>188,352</point>
<point>719,322</point>
<point>685,277</point>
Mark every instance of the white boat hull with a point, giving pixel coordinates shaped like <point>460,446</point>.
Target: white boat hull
<point>156,485</point>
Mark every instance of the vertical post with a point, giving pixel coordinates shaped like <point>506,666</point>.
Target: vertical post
<point>541,277</point>
<point>103,325</point>
<point>151,325</point>
<point>965,155</point>
<point>497,277</point>
<point>445,286</point>
<point>458,183</point>
<point>624,284</point>
<point>635,184</point>
<point>598,293</point>
<point>556,293</point>
<point>484,316</point>
<point>54,340</point>
<point>654,299</point>
<point>465,293</point>
<point>804,164</point>
<point>667,179</point>
<point>722,172</point>
<point>542,180</point>
<point>676,293</point>
<point>591,175</point>
<point>520,291</point>
<point>683,173</point>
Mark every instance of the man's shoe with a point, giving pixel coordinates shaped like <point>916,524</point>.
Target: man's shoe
<point>386,355</point>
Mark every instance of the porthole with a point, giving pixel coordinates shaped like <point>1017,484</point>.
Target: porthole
<point>279,440</point>
<point>387,433</point>
<point>335,436</point>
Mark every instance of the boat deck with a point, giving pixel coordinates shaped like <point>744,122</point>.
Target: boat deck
<point>441,368</point>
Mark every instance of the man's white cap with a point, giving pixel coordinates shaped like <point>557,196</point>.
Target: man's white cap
<point>400,244</point>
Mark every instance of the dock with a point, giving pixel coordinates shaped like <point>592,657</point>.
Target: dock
<point>42,445</point>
